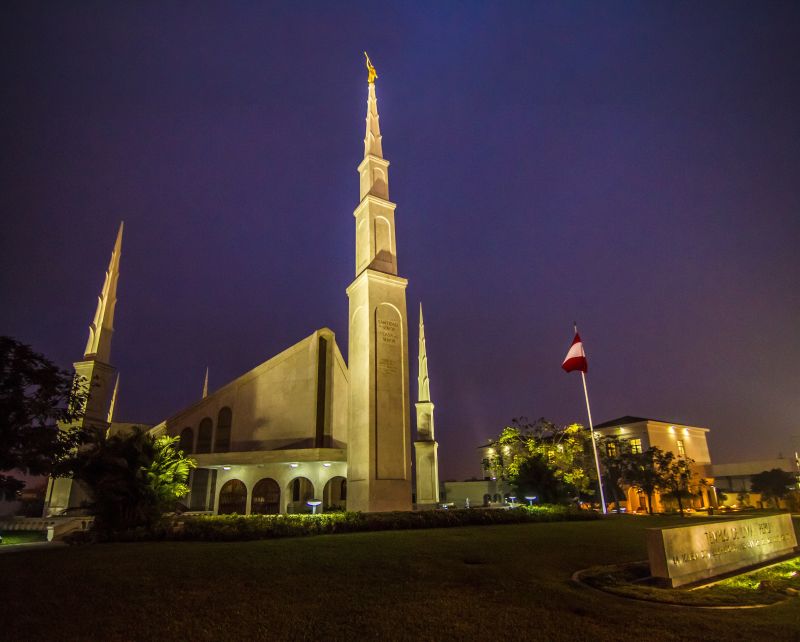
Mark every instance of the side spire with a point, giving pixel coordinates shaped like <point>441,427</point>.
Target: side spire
<point>205,385</point>
<point>425,447</point>
<point>113,400</point>
<point>98,347</point>
<point>372,139</point>
<point>423,380</point>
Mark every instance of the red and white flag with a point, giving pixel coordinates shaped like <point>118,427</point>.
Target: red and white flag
<point>576,357</point>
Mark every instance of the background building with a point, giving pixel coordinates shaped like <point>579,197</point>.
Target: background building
<point>682,440</point>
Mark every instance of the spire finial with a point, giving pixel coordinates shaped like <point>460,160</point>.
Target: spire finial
<point>371,73</point>
<point>98,346</point>
<point>372,139</point>
<point>113,400</point>
<point>205,385</point>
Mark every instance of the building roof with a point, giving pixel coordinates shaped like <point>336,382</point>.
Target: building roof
<point>628,419</point>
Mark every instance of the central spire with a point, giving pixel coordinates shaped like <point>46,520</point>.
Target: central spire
<point>98,347</point>
<point>379,431</point>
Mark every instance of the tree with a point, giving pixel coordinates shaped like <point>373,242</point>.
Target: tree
<point>555,463</point>
<point>610,451</point>
<point>131,478</point>
<point>643,472</point>
<point>38,401</point>
<point>773,484</point>
<point>536,478</point>
<point>677,477</point>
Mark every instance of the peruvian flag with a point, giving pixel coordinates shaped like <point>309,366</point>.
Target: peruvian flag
<point>576,357</point>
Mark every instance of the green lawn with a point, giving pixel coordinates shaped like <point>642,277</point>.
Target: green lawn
<point>22,537</point>
<point>487,583</point>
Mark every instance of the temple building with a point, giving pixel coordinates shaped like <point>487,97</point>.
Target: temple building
<point>304,426</point>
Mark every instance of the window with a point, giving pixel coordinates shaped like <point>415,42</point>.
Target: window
<point>321,390</point>
<point>233,498</point>
<point>222,442</point>
<point>202,482</point>
<point>187,440</point>
<point>204,435</point>
<point>636,446</point>
<point>266,498</point>
<point>611,449</point>
<point>681,449</point>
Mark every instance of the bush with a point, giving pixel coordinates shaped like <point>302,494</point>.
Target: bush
<point>249,527</point>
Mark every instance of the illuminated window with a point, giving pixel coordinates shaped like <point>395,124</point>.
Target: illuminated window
<point>636,446</point>
<point>611,449</point>
<point>681,449</point>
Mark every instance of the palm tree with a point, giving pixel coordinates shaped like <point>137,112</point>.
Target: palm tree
<point>132,478</point>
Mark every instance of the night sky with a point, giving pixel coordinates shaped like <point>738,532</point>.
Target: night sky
<point>633,166</point>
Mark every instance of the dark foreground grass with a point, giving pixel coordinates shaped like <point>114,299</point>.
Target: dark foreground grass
<point>485,583</point>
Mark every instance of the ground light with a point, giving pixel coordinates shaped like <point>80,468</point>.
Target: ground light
<point>512,499</point>
<point>313,503</point>
<point>531,500</point>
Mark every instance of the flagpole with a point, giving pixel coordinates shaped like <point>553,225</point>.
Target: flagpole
<point>594,445</point>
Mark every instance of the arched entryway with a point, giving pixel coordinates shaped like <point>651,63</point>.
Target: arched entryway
<point>233,498</point>
<point>266,498</point>
<point>299,490</point>
<point>334,497</point>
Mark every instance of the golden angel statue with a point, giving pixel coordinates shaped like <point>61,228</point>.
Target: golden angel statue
<point>371,70</point>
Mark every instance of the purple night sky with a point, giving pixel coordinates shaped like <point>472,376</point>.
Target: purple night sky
<point>634,166</point>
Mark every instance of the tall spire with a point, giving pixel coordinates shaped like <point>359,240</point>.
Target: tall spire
<point>379,474</point>
<point>113,400</point>
<point>422,380</point>
<point>372,139</point>
<point>205,385</point>
<point>98,347</point>
<point>425,447</point>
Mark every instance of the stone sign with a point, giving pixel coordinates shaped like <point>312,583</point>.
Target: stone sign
<point>685,554</point>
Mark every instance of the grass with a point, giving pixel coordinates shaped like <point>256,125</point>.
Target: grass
<point>22,537</point>
<point>508,582</point>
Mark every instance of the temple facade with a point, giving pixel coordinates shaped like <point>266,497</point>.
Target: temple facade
<point>305,430</point>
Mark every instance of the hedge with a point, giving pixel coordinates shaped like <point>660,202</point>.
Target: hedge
<point>249,527</point>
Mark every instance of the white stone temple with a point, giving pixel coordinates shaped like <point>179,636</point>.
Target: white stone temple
<point>304,425</point>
